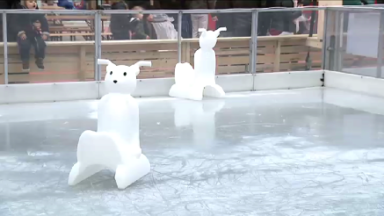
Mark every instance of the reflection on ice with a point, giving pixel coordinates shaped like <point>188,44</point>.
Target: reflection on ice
<point>201,116</point>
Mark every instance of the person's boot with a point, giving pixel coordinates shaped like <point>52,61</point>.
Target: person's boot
<point>40,63</point>
<point>25,66</point>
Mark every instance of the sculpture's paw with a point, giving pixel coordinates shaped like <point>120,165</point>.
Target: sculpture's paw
<point>179,91</point>
<point>131,171</point>
<point>214,91</point>
<point>196,92</point>
<point>80,171</point>
<point>174,91</point>
<point>73,175</point>
<point>95,152</point>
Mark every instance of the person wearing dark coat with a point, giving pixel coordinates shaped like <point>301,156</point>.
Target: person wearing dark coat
<point>282,22</point>
<point>224,19</point>
<point>29,30</point>
<point>199,20</point>
<point>119,24</point>
<point>238,24</point>
<point>186,21</point>
<point>146,4</point>
<point>5,4</point>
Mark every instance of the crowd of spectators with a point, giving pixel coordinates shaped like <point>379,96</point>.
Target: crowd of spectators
<point>32,30</point>
<point>238,24</point>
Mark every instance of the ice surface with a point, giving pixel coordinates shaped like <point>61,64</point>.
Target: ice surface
<point>270,153</point>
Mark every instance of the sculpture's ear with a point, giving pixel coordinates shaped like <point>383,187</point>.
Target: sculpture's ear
<point>217,32</point>
<point>104,62</point>
<point>141,64</point>
<point>109,64</point>
<point>203,32</point>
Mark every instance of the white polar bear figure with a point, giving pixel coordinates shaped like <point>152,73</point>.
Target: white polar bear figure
<point>193,83</point>
<point>116,144</point>
<point>199,114</point>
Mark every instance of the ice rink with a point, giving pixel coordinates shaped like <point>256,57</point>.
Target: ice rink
<point>298,152</point>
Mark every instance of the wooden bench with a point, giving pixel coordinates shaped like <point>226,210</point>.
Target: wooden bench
<point>74,61</point>
<point>76,17</point>
<point>59,24</point>
<point>77,34</point>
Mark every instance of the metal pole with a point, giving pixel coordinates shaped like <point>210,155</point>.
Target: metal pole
<point>324,61</point>
<point>5,51</point>
<point>344,15</point>
<point>179,22</point>
<point>380,46</point>
<point>308,59</point>
<point>338,35</point>
<point>97,45</point>
<point>255,22</point>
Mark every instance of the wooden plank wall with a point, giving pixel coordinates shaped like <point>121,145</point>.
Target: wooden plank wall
<point>162,53</point>
<point>74,61</point>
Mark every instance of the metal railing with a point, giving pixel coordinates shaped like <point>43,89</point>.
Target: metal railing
<point>254,29</point>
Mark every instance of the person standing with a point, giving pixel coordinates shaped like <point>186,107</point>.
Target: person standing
<point>199,20</point>
<point>119,24</point>
<point>186,23</point>
<point>224,19</point>
<point>238,24</point>
<point>284,22</point>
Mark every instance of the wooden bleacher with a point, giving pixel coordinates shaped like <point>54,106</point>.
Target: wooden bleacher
<point>75,27</point>
<point>74,60</point>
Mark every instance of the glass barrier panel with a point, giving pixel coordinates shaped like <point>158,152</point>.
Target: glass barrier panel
<point>380,54</point>
<point>357,42</point>
<point>53,48</point>
<point>144,36</point>
<point>232,49</point>
<point>284,42</point>
<point>2,74</point>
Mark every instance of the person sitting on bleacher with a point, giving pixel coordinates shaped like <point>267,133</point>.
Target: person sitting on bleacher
<point>29,30</point>
<point>70,5</point>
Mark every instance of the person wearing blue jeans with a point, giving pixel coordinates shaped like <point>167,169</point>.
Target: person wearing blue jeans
<point>69,5</point>
<point>29,30</point>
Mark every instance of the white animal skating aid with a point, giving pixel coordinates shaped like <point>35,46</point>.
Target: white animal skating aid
<point>116,144</point>
<point>194,83</point>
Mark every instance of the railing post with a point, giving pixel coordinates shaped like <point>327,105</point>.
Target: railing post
<point>324,50</point>
<point>179,22</point>
<point>308,58</point>
<point>5,51</point>
<point>255,21</point>
<point>339,41</point>
<point>97,45</point>
<point>380,46</point>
